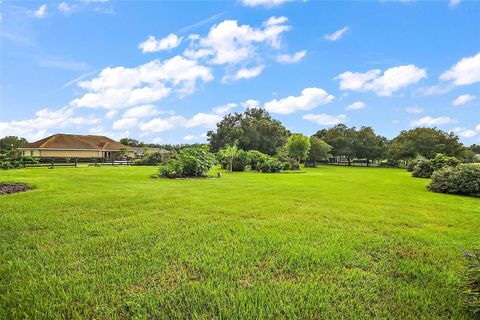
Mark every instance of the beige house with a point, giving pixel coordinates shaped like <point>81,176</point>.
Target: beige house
<point>76,146</point>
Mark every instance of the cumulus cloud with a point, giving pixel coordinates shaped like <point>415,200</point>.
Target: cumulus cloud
<point>414,110</point>
<point>231,43</point>
<point>40,12</point>
<point>251,103</point>
<point>291,58</point>
<point>462,99</point>
<point>143,111</point>
<point>453,3</point>
<point>309,98</point>
<point>189,137</point>
<point>245,73</point>
<point>336,35</point>
<point>464,72</point>
<point>325,119</point>
<point>65,8</point>
<point>153,45</point>
<point>125,123</point>
<point>122,87</point>
<point>46,119</point>
<point>430,121</point>
<point>392,80</point>
<point>263,3</point>
<point>356,105</point>
<point>465,133</point>
<point>224,109</point>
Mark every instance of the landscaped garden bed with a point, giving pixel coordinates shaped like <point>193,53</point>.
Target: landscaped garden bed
<point>7,188</point>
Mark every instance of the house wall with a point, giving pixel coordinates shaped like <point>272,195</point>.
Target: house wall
<point>67,153</point>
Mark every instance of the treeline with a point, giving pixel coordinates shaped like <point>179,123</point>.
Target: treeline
<point>169,147</point>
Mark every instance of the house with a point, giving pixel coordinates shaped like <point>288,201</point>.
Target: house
<point>76,146</point>
<point>141,151</point>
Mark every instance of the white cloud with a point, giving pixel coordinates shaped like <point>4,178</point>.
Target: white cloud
<point>462,99</point>
<point>477,128</point>
<point>189,137</point>
<point>336,35</point>
<point>430,121</point>
<point>143,111</point>
<point>207,120</point>
<point>356,105</point>
<point>153,45</point>
<point>225,108</point>
<point>230,43</point>
<point>392,80</point>
<point>263,3</point>
<point>308,99</point>
<point>40,12</point>
<point>250,103</point>
<point>125,123</point>
<point>161,124</point>
<point>65,8</point>
<point>453,3</point>
<point>464,72</point>
<point>110,114</point>
<point>325,119</point>
<point>414,110</point>
<point>45,120</point>
<point>246,73</point>
<point>465,133</point>
<point>121,87</point>
<point>291,58</point>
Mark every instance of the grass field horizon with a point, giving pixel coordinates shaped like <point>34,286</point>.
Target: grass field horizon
<point>328,242</point>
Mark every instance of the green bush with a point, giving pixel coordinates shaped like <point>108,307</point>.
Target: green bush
<point>12,161</point>
<point>411,165</point>
<point>463,179</point>
<point>155,158</point>
<point>272,166</point>
<point>257,159</point>
<point>423,169</point>
<point>472,288</point>
<point>190,162</point>
<point>442,160</point>
<point>241,160</point>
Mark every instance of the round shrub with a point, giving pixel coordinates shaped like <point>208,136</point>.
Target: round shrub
<point>154,159</point>
<point>411,165</point>
<point>463,179</point>
<point>241,160</point>
<point>190,162</point>
<point>442,160</point>
<point>423,169</point>
<point>272,166</point>
<point>256,159</point>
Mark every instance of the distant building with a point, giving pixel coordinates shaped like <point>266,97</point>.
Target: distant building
<point>76,146</point>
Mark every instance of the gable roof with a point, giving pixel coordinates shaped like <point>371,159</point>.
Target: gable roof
<point>74,141</point>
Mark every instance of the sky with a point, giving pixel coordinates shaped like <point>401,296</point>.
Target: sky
<point>168,71</point>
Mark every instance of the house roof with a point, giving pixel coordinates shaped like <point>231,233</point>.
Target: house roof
<point>74,141</point>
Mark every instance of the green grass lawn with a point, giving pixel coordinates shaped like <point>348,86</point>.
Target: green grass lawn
<point>329,243</point>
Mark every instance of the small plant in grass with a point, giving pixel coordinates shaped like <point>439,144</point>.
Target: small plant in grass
<point>272,165</point>
<point>463,179</point>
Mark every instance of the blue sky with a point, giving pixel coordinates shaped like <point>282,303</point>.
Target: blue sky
<point>166,72</point>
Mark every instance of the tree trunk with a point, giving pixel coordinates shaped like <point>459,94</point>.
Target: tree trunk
<point>368,162</point>
<point>348,160</point>
<point>231,164</point>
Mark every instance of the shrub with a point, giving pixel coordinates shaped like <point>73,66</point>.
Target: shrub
<point>423,169</point>
<point>472,288</point>
<point>463,179</point>
<point>272,166</point>
<point>256,159</point>
<point>411,165</point>
<point>442,160</point>
<point>240,161</point>
<point>190,162</point>
<point>12,161</point>
<point>155,158</point>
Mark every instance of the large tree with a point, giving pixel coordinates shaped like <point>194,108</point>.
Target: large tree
<point>342,140</point>
<point>253,129</point>
<point>298,147</point>
<point>369,145</point>
<point>319,150</point>
<point>426,142</point>
<point>10,143</point>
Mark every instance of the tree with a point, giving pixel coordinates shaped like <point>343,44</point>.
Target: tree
<point>252,130</point>
<point>131,142</point>
<point>319,150</point>
<point>426,142</point>
<point>10,143</point>
<point>297,147</point>
<point>230,152</point>
<point>342,140</point>
<point>369,145</point>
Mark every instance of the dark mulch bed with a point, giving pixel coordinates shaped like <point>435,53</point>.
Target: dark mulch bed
<point>6,188</point>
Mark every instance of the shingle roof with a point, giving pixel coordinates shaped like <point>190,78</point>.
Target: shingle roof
<point>74,141</point>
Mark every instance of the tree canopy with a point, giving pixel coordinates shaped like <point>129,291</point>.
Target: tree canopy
<point>253,129</point>
<point>319,150</point>
<point>298,147</point>
<point>11,142</point>
<point>426,142</point>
